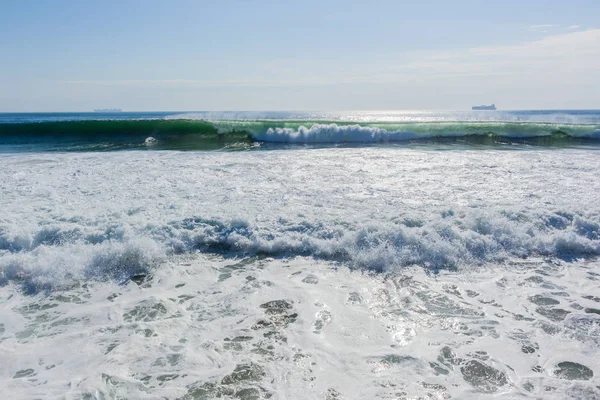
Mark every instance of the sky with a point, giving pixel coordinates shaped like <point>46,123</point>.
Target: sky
<point>145,55</point>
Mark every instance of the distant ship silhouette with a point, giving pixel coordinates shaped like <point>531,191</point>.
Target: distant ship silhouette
<point>108,110</point>
<point>479,108</point>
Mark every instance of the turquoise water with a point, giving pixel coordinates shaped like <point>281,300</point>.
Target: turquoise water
<point>259,130</point>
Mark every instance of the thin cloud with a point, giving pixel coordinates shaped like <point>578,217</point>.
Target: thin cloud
<point>561,55</point>
<point>544,28</point>
<point>574,27</point>
<point>200,83</point>
<point>554,54</point>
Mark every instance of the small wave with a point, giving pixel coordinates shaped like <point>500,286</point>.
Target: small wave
<point>57,255</point>
<point>49,267</point>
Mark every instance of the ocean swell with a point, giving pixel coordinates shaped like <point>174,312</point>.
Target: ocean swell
<point>181,134</point>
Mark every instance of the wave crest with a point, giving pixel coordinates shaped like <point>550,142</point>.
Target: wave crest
<point>449,241</point>
<point>334,133</point>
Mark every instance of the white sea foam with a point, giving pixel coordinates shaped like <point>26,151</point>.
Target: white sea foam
<point>332,133</point>
<point>268,328</point>
<point>134,210</point>
<point>213,239</point>
<point>450,242</point>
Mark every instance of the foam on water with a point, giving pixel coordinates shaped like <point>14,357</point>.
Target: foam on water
<point>388,209</point>
<point>320,273</point>
<point>452,243</point>
<point>258,328</point>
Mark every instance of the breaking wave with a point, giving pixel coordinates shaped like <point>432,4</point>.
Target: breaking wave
<point>181,134</point>
<point>334,133</point>
<point>58,254</point>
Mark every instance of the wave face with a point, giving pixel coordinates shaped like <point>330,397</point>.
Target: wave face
<point>188,134</point>
<point>105,135</point>
<point>115,215</point>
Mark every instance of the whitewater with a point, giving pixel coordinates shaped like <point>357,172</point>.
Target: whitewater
<point>330,256</point>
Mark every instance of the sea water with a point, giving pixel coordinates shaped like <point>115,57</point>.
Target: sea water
<point>392,255</point>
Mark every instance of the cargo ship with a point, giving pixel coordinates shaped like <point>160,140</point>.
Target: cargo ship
<point>484,108</point>
<point>108,110</point>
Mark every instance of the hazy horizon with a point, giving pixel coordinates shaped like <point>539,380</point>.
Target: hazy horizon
<point>262,55</point>
<point>92,111</point>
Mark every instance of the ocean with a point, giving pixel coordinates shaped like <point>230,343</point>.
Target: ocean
<point>308,255</point>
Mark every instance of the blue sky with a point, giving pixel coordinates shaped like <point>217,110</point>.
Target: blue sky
<point>309,55</point>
